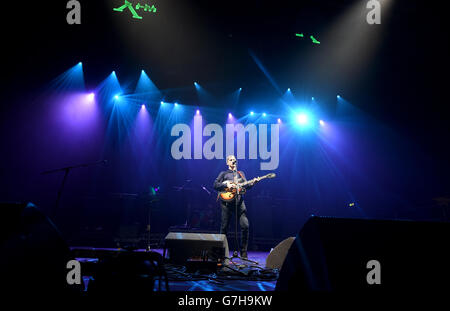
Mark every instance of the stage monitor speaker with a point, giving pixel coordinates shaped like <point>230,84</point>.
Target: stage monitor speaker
<point>333,254</point>
<point>278,254</point>
<point>184,247</point>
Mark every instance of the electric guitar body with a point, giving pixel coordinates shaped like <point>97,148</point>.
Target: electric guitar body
<point>229,194</point>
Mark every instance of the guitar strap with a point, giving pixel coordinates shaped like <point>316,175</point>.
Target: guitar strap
<point>240,173</point>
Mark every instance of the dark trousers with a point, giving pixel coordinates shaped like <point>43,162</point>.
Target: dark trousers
<point>228,209</point>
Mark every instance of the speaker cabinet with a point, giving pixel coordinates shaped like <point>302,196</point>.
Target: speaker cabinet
<point>278,254</point>
<point>183,247</point>
<point>331,254</point>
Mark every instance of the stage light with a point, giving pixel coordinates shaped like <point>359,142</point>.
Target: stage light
<point>240,89</point>
<point>279,120</point>
<point>230,115</point>
<point>143,106</point>
<point>302,119</point>
<point>289,89</point>
<point>116,97</point>
<point>314,40</point>
<point>321,122</point>
<point>312,98</point>
<point>338,96</point>
<point>176,104</point>
<point>80,63</point>
<point>91,96</point>
<point>251,113</point>
<point>153,190</point>
<point>264,114</point>
<point>162,103</point>
<point>198,112</point>
<point>146,86</point>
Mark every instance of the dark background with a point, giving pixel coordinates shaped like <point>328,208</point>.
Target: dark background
<point>391,157</point>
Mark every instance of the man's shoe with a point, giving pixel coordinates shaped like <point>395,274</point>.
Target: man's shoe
<point>244,254</point>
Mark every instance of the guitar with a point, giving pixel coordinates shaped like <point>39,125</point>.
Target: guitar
<point>230,193</point>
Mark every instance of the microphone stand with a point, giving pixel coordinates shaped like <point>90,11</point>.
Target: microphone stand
<point>66,174</point>
<point>149,248</point>
<point>235,253</point>
<point>186,224</point>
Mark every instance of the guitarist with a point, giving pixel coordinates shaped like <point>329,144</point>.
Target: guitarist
<point>228,179</point>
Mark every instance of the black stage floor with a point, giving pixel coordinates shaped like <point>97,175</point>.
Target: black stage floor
<point>231,283</point>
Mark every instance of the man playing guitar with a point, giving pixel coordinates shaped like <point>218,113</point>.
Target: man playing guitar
<point>228,180</point>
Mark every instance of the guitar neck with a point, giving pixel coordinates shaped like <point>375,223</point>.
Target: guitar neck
<point>252,180</point>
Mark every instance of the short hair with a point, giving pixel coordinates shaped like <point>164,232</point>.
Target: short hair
<point>229,156</point>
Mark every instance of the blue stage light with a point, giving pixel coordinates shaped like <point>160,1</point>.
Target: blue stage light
<point>116,97</point>
<point>279,120</point>
<point>251,113</point>
<point>264,114</point>
<point>321,122</point>
<point>289,89</point>
<point>302,119</point>
<point>91,96</point>
<point>240,89</point>
<point>198,112</point>
<point>312,98</point>
<point>162,103</point>
<point>176,104</point>
<point>338,96</point>
<point>230,115</point>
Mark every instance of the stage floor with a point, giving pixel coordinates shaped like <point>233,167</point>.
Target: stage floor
<point>216,284</point>
<point>227,285</point>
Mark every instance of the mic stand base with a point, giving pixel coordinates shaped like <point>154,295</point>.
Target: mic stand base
<point>235,255</point>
